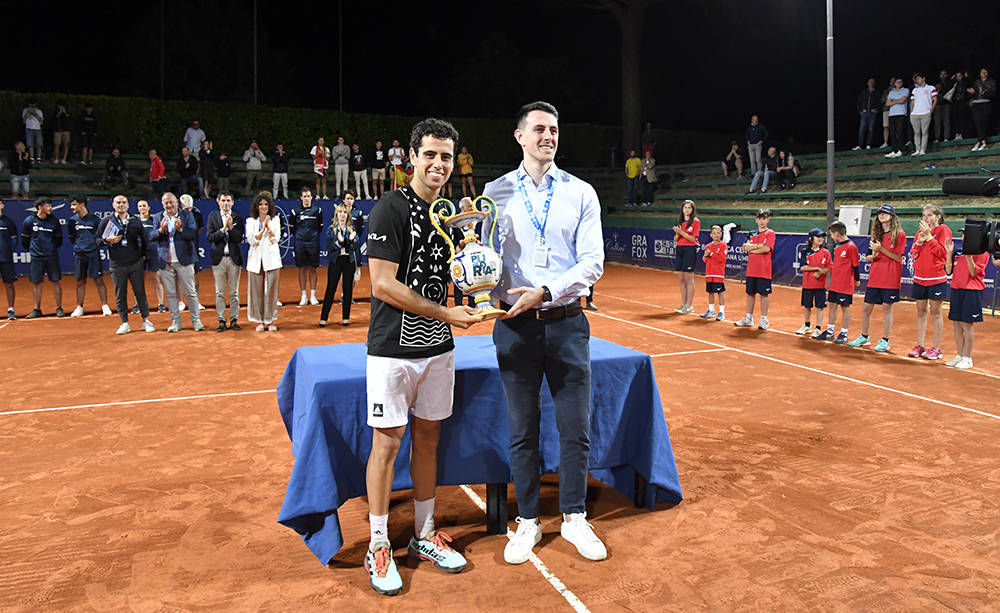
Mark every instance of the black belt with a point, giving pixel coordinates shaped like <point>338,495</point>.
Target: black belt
<point>560,312</point>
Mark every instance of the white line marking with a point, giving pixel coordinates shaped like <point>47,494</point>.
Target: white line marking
<point>5,325</point>
<point>814,370</point>
<point>128,402</point>
<point>667,355</point>
<point>889,355</point>
<point>560,587</point>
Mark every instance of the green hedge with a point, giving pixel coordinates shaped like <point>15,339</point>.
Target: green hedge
<point>136,125</point>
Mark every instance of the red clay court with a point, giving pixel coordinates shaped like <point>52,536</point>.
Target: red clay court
<point>146,472</point>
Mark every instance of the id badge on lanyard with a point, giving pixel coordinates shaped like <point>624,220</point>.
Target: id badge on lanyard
<point>540,253</point>
<point>541,257</point>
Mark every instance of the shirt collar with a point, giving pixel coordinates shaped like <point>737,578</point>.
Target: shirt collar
<point>550,175</point>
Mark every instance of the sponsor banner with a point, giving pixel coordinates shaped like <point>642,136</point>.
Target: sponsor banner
<point>655,248</point>
<point>18,210</point>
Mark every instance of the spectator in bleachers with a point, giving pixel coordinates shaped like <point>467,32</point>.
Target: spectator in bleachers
<point>157,173</point>
<point>206,170</point>
<point>225,234</point>
<point>114,168</point>
<point>923,101</point>
<point>631,173</point>
<point>88,134</point>
<point>359,166</point>
<point>152,256</point>
<point>176,232</point>
<point>787,170</point>
<point>127,244</point>
<point>396,157</point>
<point>305,223</point>
<point>341,162</point>
<point>187,168</point>
<point>82,228</point>
<point>897,101</point>
<point>733,161</point>
<point>648,140</point>
<point>194,137</point>
<point>41,236</point>
<point>756,135</point>
<point>378,164</point>
<point>648,172</point>
<point>60,134</point>
<point>8,242</point>
<point>279,170</point>
<point>960,106</point>
<point>321,164</point>
<point>465,163</point>
<point>32,118</point>
<point>263,231</point>
<point>982,92</point>
<point>223,171</point>
<point>768,171</point>
<point>253,157</point>
<point>868,108</point>
<point>942,112</point>
<point>20,166</point>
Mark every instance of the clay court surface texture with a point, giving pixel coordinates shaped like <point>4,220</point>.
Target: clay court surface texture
<point>145,473</point>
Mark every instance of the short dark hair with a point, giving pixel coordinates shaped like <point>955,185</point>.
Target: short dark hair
<point>763,213</point>
<point>838,226</point>
<point>349,191</point>
<point>80,199</point>
<point>538,105</point>
<point>42,200</point>
<point>919,74</point>
<point>305,189</point>
<point>438,128</point>
<point>223,193</point>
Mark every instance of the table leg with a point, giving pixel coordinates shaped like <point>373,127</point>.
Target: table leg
<point>496,508</point>
<point>639,495</point>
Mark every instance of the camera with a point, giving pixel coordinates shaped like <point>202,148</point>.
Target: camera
<point>981,236</point>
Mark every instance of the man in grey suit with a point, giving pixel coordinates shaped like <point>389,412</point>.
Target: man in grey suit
<point>175,244</point>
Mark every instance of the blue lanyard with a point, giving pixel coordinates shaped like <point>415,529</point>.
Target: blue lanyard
<point>527,203</point>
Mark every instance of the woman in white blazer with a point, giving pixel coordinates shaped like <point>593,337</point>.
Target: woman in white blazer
<point>263,229</point>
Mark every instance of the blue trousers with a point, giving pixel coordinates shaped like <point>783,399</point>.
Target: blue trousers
<point>633,190</point>
<point>867,127</point>
<point>559,349</point>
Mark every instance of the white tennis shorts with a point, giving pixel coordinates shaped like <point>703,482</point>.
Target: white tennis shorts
<point>397,387</point>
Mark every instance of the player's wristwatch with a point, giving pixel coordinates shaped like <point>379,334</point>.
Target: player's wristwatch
<point>546,294</point>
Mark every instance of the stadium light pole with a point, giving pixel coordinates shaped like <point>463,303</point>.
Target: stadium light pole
<point>163,29</point>
<point>831,147</point>
<point>340,51</point>
<point>255,52</point>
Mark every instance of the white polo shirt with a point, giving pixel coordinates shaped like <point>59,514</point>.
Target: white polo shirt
<point>923,99</point>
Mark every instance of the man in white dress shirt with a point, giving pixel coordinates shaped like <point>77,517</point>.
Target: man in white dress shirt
<point>549,232</point>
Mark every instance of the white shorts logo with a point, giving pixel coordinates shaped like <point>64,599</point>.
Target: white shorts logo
<point>377,410</point>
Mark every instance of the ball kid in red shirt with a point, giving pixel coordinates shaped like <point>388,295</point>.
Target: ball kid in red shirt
<point>886,249</point>
<point>715,275</point>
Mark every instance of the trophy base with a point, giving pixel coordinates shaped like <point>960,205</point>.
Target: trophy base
<point>490,312</point>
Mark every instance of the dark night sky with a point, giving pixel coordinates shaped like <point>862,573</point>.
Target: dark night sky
<point>706,64</point>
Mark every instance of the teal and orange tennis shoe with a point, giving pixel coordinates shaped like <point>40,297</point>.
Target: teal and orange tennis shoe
<point>435,548</point>
<point>382,573</point>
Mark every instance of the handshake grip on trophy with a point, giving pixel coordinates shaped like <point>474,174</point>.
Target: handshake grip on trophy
<point>475,268</point>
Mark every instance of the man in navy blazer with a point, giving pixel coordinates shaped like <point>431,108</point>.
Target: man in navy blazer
<point>176,245</point>
<point>225,235</point>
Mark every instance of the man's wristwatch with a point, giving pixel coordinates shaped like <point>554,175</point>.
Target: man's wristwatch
<point>546,294</point>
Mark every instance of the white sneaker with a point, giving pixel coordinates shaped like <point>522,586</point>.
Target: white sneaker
<point>764,325</point>
<point>313,301</point>
<point>181,306</point>
<point>123,329</point>
<point>279,302</point>
<point>746,322</point>
<point>304,301</point>
<point>147,326</point>
<point>579,532</point>
<point>518,549</point>
<point>891,154</point>
<point>803,330</point>
<point>200,308</point>
<point>955,360</point>
<point>77,312</point>
<point>856,149</point>
<point>106,310</point>
<point>964,364</point>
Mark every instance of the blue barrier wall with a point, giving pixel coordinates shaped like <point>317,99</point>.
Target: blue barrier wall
<point>18,210</point>
<point>655,248</point>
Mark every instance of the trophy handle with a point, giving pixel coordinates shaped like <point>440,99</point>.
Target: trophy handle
<point>449,206</point>
<point>490,208</point>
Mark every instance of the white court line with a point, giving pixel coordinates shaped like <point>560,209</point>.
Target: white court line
<point>564,591</point>
<point>667,355</point>
<point>147,401</point>
<point>889,355</point>
<point>814,370</point>
<point>5,325</point>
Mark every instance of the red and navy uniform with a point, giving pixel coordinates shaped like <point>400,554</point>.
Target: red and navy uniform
<point>691,227</point>
<point>929,257</point>
<point>846,268</point>
<point>820,259</point>
<point>885,272</point>
<point>967,290</point>
<point>715,262</point>
<point>759,264</point>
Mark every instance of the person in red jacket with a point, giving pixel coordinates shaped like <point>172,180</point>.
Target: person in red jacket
<point>930,282</point>
<point>157,173</point>
<point>886,249</point>
<point>715,275</point>
<point>814,262</point>
<point>967,284</point>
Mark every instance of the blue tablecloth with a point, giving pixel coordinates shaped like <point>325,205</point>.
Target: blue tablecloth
<point>322,398</point>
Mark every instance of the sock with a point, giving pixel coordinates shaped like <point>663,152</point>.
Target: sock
<point>750,316</point>
<point>312,294</point>
<point>885,338</point>
<point>711,309</point>
<point>763,317</point>
<point>423,517</point>
<point>379,528</point>
<point>303,295</point>
<point>808,324</point>
<point>844,330</point>
<point>865,336</point>
<point>829,328</point>
<point>722,309</point>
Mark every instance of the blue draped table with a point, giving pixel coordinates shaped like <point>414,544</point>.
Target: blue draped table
<point>322,397</point>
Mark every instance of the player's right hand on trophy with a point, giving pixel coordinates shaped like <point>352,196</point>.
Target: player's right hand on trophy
<point>463,316</point>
